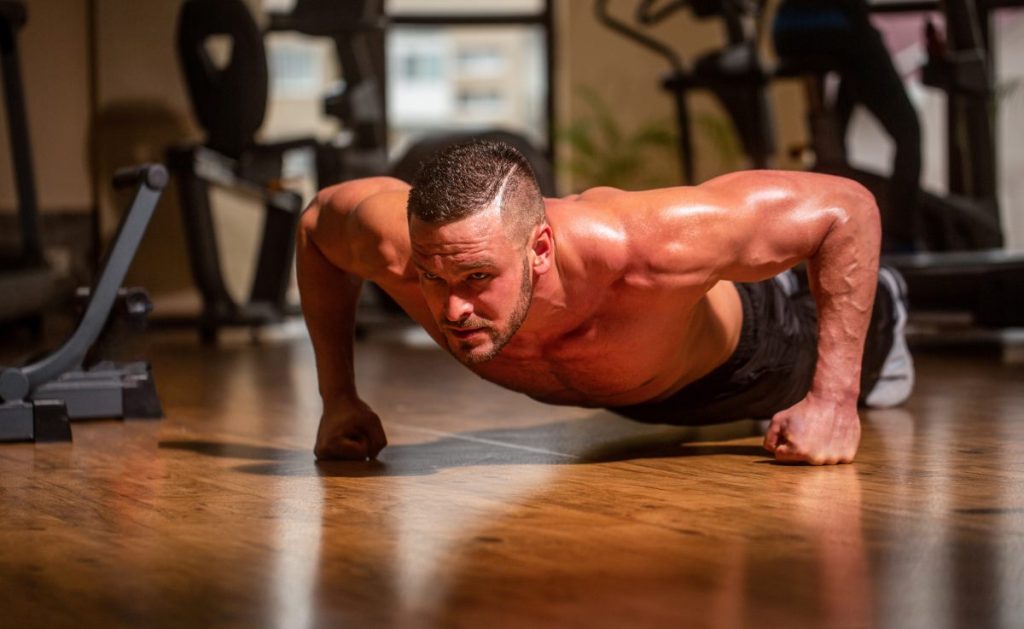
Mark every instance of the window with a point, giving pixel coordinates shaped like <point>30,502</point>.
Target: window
<point>467,78</point>
<point>481,62</point>
<point>465,65</point>
<point>458,65</point>
<point>462,7</point>
<point>424,67</point>
<point>296,70</point>
<point>481,102</point>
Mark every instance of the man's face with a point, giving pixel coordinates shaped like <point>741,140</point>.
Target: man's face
<point>477,283</point>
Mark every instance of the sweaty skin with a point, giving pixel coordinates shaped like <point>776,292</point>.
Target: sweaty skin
<point>619,298</point>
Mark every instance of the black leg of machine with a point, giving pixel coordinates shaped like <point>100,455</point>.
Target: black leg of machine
<point>38,399</point>
<point>26,281</point>
<point>229,103</point>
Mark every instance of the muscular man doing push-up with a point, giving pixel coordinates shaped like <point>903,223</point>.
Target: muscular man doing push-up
<point>673,306</point>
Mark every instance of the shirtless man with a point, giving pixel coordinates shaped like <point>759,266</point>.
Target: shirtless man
<point>659,305</point>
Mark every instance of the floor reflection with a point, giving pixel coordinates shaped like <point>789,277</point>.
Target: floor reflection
<point>297,516</point>
<point>828,505</point>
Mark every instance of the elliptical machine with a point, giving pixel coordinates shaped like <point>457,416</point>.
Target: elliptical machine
<point>735,74</point>
<point>26,280</point>
<point>230,101</point>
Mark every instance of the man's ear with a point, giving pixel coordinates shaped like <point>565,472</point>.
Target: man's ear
<point>542,249</point>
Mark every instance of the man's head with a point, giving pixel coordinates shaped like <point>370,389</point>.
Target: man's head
<point>479,238</point>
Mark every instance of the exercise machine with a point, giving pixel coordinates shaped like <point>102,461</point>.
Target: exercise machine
<point>734,74</point>
<point>38,399</point>
<point>961,220</point>
<point>962,267</point>
<point>359,102</point>
<point>229,101</point>
<point>984,280</point>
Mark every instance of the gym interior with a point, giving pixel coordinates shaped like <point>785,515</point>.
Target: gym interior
<point>158,391</point>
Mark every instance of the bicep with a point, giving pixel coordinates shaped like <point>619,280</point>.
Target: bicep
<point>765,239</point>
<point>750,226</point>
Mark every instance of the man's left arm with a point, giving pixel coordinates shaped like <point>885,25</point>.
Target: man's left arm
<point>774,220</point>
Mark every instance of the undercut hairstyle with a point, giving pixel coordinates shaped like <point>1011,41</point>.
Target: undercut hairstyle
<point>464,179</point>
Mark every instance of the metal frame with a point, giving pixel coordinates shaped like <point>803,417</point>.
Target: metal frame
<point>196,170</point>
<point>12,19</point>
<point>38,399</point>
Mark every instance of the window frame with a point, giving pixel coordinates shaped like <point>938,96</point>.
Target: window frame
<point>544,19</point>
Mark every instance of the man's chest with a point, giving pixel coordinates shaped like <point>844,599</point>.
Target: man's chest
<point>606,361</point>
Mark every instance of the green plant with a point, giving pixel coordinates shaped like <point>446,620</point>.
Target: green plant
<point>605,154</point>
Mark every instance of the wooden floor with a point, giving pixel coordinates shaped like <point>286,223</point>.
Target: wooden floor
<point>489,510</point>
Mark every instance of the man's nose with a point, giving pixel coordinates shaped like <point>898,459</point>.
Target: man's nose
<point>456,308</point>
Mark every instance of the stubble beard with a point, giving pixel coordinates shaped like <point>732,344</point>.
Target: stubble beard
<point>499,339</point>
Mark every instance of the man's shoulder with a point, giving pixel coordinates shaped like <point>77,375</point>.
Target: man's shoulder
<point>368,237</point>
<point>644,205</point>
<point>634,218</point>
<point>591,233</point>
<point>383,209</point>
<point>657,238</point>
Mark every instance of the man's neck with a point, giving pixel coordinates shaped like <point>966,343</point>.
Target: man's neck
<point>553,309</point>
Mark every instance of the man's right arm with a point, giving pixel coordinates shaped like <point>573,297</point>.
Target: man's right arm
<point>331,266</point>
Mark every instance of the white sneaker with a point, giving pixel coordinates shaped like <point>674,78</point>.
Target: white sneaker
<point>896,379</point>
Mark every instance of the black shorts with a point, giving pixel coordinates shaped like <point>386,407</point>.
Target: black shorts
<point>774,362</point>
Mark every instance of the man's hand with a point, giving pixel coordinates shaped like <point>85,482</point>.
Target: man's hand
<point>351,431</point>
<point>816,431</point>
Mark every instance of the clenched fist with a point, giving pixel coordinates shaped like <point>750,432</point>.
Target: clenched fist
<point>816,430</point>
<point>351,432</point>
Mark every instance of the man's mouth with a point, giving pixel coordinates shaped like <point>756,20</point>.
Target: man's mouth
<point>464,333</point>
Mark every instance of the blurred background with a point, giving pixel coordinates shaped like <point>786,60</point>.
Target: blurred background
<point>257,103</point>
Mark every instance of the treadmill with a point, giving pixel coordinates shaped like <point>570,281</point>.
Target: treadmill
<point>985,283</point>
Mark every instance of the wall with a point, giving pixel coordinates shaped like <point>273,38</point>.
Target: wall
<point>55,72</point>
<point>142,107</point>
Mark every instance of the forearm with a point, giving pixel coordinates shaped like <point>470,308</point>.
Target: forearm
<point>329,296</point>
<point>843,273</point>
<point>327,262</point>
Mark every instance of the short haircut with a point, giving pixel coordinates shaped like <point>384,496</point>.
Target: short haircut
<point>464,179</point>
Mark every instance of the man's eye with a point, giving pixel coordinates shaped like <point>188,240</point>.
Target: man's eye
<point>476,277</point>
<point>429,276</point>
